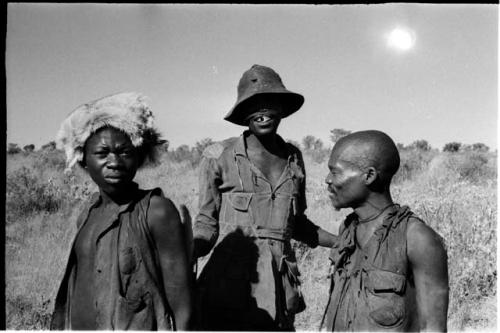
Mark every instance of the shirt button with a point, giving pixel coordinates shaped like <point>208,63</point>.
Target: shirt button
<point>99,270</point>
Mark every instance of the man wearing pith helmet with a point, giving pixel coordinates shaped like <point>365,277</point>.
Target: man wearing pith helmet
<point>252,203</point>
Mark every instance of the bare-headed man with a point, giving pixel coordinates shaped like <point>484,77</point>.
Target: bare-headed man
<point>389,267</point>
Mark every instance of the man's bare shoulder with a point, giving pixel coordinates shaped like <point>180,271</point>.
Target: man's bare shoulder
<point>423,241</point>
<point>162,214</point>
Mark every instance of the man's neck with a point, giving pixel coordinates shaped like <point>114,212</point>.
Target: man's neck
<point>374,205</point>
<point>118,197</point>
<point>269,143</point>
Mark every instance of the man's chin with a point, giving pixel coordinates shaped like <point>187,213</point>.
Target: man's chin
<point>335,204</point>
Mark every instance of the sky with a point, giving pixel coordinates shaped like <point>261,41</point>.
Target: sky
<point>437,81</point>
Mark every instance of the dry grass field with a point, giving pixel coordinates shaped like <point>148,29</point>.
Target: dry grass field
<point>455,193</point>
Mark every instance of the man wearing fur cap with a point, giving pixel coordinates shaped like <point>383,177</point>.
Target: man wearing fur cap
<point>128,267</point>
<point>252,203</point>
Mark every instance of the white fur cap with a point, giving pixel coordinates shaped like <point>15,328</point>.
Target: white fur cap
<point>128,112</point>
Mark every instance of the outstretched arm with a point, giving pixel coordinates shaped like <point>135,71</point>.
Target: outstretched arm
<point>428,263</point>
<point>311,234</point>
<point>305,230</point>
<point>168,234</point>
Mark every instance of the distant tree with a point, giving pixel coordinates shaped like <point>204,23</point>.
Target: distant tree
<point>338,133</point>
<point>202,144</point>
<point>13,149</point>
<point>400,146</point>
<point>308,142</point>
<point>452,147</point>
<point>466,147</point>
<point>49,146</point>
<point>420,145</point>
<point>181,153</point>
<point>480,147</point>
<point>318,144</point>
<point>29,148</point>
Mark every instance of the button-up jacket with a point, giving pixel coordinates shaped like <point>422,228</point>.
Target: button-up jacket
<point>252,223</point>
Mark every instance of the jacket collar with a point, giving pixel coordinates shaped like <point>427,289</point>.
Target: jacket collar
<point>240,147</point>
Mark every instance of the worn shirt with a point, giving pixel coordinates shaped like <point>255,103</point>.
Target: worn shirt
<point>251,280</point>
<point>127,283</point>
<point>372,288</point>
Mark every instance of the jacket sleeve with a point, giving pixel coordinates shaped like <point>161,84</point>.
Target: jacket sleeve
<point>206,226</point>
<point>304,230</point>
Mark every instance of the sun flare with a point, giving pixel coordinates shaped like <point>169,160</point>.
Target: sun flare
<point>401,39</point>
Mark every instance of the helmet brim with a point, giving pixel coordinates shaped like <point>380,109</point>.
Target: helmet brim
<point>291,102</point>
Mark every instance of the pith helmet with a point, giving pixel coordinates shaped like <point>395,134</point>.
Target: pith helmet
<point>262,80</point>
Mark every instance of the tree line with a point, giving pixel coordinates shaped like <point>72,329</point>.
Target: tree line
<point>310,144</point>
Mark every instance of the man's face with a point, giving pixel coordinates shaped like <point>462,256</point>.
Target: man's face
<point>345,182</point>
<point>110,159</point>
<point>264,118</point>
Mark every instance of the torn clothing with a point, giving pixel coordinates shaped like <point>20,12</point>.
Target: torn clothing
<point>372,288</point>
<point>127,280</point>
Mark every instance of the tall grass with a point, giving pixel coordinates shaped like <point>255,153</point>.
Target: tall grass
<point>453,193</point>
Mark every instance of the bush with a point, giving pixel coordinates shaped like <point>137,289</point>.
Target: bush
<point>52,159</point>
<point>29,148</point>
<point>13,149</point>
<point>452,147</point>
<point>27,193</point>
<point>413,163</point>
<point>480,147</point>
<point>471,166</point>
<point>420,145</point>
<point>338,133</point>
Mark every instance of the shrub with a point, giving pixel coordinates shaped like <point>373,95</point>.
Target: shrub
<point>27,193</point>
<point>13,149</point>
<point>452,147</point>
<point>29,148</point>
<point>471,166</point>
<point>52,159</point>
<point>49,146</point>
<point>481,147</point>
<point>308,142</point>
<point>420,145</point>
<point>338,133</point>
<point>413,163</point>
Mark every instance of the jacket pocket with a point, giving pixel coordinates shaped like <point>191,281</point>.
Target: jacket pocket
<point>386,298</point>
<point>240,201</point>
<point>235,209</point>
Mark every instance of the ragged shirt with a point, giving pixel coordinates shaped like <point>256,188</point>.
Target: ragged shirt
<point>127,281</point>
<point>251,279</point>
<point>372,288</point>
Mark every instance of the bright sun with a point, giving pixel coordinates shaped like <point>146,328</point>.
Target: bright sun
<point>401,39</point>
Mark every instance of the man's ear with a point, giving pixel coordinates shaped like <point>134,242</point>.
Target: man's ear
<point>371,176</point>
